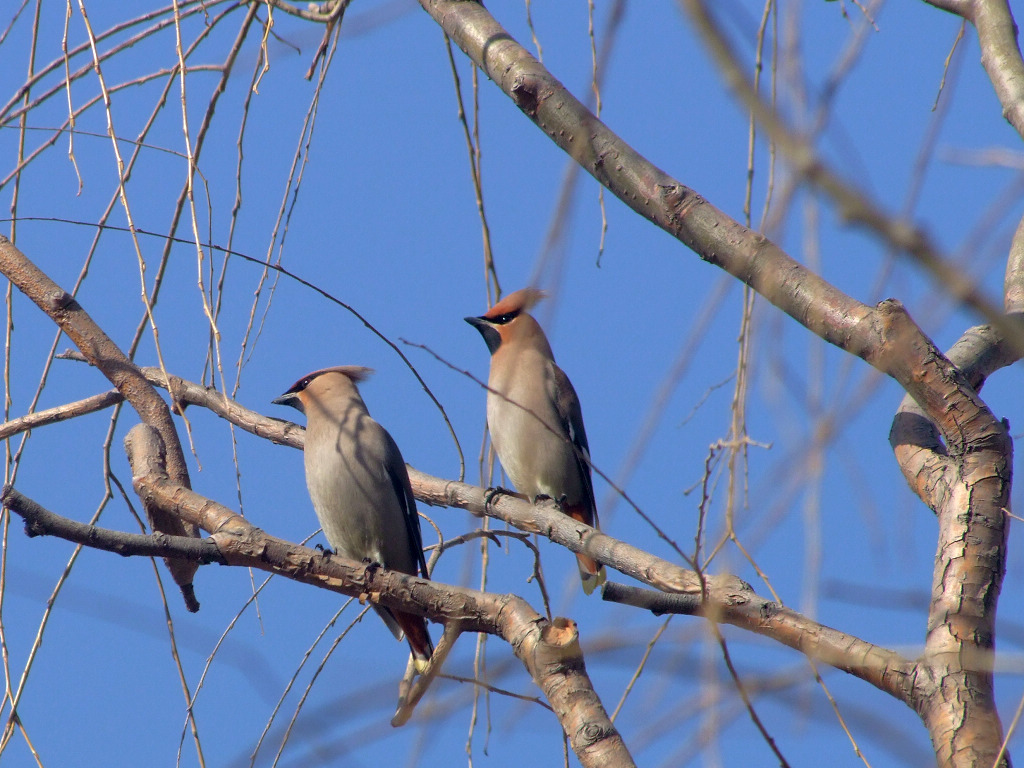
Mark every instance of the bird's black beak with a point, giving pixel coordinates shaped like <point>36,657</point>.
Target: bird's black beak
<point>288,398</point>
<point>491,335</point>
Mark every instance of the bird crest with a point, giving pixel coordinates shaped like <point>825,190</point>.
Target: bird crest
<point>356,373</point>
<point>519,301</point>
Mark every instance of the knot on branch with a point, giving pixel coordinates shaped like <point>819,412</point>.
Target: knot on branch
<point>34,528</point>
<point>56,299</point>
<point>178,391</point>
<point>526,94</point>
<point>769,610</point>
<point>591,733</point>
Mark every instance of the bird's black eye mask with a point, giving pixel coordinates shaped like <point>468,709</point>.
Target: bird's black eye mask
<point>300,385</point>
<point>508,317</point>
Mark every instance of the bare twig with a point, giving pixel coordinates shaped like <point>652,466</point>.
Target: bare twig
<point>410,695</point>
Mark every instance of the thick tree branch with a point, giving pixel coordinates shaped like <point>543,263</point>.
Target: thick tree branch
<point>549,650</point>
<point>969,493</point>
<point>853,204</point>
<point>105,355</point>
<point>680,211</point>
<point>884,336</point>
<point>1000,55</point>
<point>916,441</point>
<point>959,7</point>
<point>40,521</point>
<point>731,601</point>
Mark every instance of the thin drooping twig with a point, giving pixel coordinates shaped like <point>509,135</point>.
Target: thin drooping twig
<point>475,166</point>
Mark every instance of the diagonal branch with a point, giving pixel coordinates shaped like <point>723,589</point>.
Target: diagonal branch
<point>60,413</point>
<point>731,601</point>
<point>1000,53</point>
<point>104,354</point>
<point>884,336</point>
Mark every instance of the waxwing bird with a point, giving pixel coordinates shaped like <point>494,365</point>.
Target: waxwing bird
<point>534,417</point>
<point>360,488</point>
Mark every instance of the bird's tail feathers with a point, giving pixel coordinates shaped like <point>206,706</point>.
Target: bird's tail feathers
<point>592,573</point>
<point>415,629</point>
<point>410,627</point>
<point>390,621</point>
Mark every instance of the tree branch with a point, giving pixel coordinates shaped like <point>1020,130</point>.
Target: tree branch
<point>959,7</point>
<point>968,492</point>
<point>732,601</point>
<point>549,650</point>
<point>1000,55</point>
<point>727,598</point>
<point>105,355</point>
<point>40,521</point>
<point>60,413</point>
<point>884,336</point>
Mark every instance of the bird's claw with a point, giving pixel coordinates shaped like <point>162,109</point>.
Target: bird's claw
<point>497,490</point>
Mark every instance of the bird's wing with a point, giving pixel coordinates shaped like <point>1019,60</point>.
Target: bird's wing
<point>394,465</point>
<point>567,406</point>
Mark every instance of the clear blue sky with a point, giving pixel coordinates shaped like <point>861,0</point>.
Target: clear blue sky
<point>385,220</point>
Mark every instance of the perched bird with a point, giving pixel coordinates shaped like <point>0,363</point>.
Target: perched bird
<point>360,488</point>
<point>534,416</point>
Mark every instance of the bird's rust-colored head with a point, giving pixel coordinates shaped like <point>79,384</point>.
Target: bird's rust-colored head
<point>508,318</point>
<point>295,396</point>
